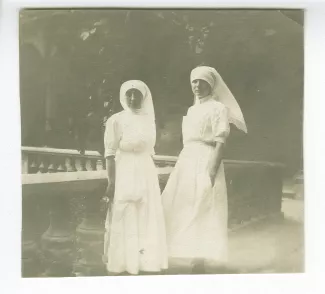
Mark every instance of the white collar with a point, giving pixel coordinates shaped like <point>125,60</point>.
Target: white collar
<point>205,99</point>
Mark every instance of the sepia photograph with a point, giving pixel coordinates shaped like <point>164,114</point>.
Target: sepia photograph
<point>161,141</point>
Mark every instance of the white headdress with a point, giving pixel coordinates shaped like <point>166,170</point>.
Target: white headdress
<point>221,93</point>
<point>146,105</point>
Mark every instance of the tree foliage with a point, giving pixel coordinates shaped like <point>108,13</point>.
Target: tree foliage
<point>90,53</point>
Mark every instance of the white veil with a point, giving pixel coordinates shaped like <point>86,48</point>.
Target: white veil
<point>221,93</point>
<point>147,104</point>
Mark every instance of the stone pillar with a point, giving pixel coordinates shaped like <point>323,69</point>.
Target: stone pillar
<point>30,255</point>
<point>90,237</point>
<point>58,242</point>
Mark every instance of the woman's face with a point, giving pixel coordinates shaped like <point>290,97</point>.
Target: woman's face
<point>134,98</point>
<point>201,88</point>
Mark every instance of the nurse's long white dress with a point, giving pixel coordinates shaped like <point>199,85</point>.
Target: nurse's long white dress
<point>196,211</point>
<point>135,238</point>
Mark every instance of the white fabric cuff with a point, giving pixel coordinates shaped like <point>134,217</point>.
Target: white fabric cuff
<point>110,152</point>
<point>220,139</point>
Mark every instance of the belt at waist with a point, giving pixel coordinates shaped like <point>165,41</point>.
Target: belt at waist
<point>133,151</point>
<point>202,143</point>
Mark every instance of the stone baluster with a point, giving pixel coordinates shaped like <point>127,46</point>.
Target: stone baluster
<point>90,237</point>
<point>71,164</point>
<point>80,164</point>
<point>101,164</point>
<point>61,165</point>
<point>33,168</point>
<point>52,168</point>
<point>30,255</point>
<point>41,168</point>
<point>53,164</point>
<point>93,164</point>
<point>44,163</point>
<point>24,163</point>
<point>58,242</point>
<point>77,164</point>
<point>87,164</point>
<point>83,163</point>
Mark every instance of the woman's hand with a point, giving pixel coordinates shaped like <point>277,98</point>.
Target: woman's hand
<point>212,175</point>
<point>214,163</point>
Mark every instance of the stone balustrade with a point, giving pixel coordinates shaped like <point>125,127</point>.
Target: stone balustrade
<point>63,215</point>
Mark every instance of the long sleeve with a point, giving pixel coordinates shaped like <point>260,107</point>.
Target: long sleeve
<point>220,124</point>
<point>111,136</point>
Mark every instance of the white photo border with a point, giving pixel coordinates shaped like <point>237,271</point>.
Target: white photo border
<point>314,150</point>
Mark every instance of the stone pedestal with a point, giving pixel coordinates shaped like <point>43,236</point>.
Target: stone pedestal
<point>58,242</point>
<point>90,237</point>
<point>30,254</point>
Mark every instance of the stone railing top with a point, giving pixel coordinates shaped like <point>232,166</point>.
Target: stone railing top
<point>59,183</point>
<point>252,163</point>
<point>56,151</point>
<point>73,176</point>
<point>63,177</point>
